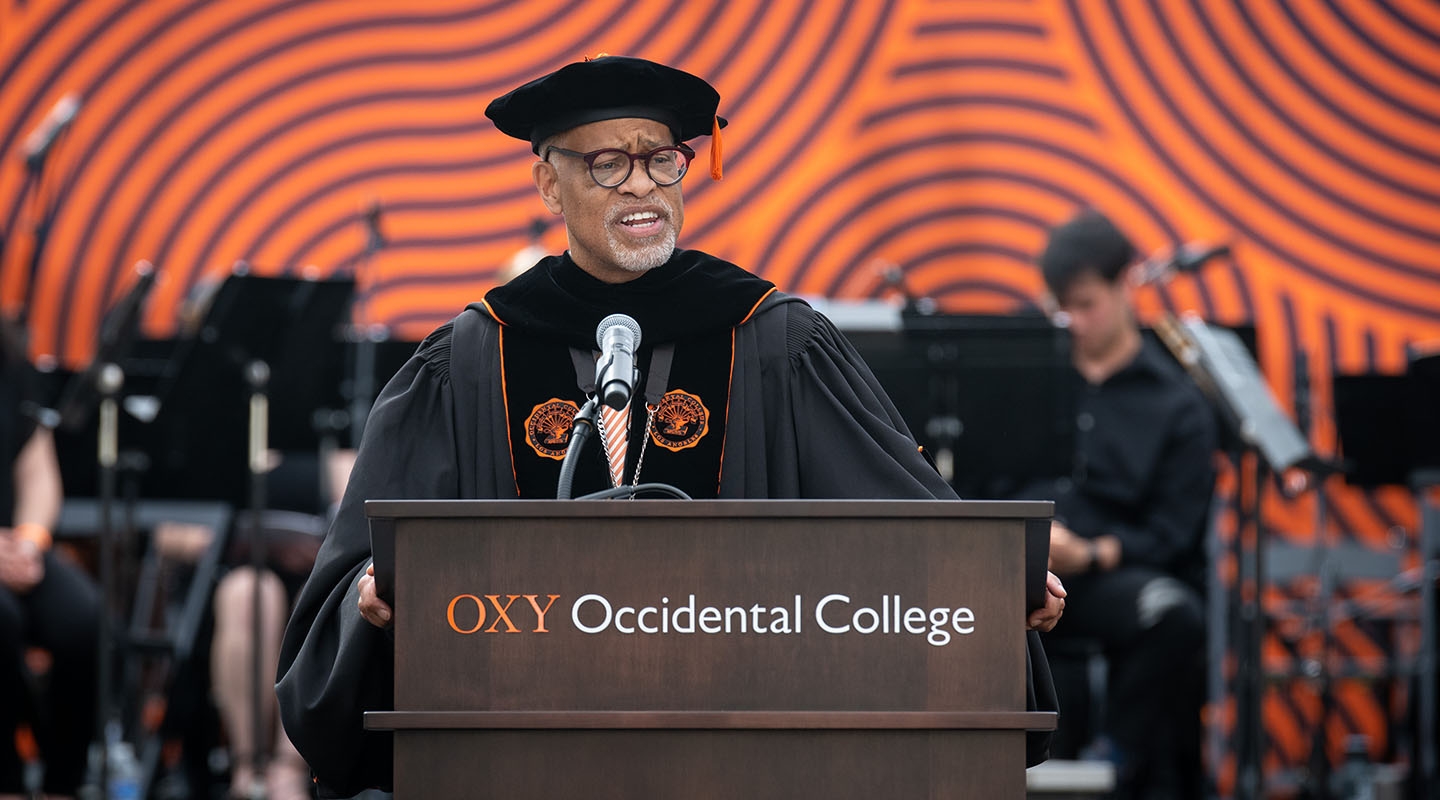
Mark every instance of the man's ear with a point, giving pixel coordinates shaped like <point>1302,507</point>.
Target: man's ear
<point>1127,291</point>
<point>547,181</point>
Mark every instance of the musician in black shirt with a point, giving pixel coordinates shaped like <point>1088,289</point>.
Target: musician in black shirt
<point>1130,521</point>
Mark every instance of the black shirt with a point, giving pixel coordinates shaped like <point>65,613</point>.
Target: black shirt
<point>15,428</point>
<point>1144,469</point>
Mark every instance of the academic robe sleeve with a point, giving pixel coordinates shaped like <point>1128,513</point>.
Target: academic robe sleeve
<point>832,431</point>
<point>334,665</point>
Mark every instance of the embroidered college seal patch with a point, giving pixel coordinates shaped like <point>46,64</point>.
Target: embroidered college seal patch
<point>681,421</point>
<point>547,429</point>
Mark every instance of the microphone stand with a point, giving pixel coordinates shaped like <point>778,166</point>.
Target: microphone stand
<point>1423,483</point>
<point>1250,634</point>
<point>1325,570</point>
<point>584,424</point>
<point>365,337</point>
<point>327,423</point>
<point>581,431</point>
<point>36,157</point>
<point>362,378</point>
<point>27,187</point>
<point>257,376</point>
<point>109,380</point>
<point>44,217</point>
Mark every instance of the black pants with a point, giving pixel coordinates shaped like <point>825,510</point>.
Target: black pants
<point>1151,627</point>
<point>62,615</point>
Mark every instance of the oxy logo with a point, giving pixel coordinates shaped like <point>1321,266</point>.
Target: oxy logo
<point>505,620</point>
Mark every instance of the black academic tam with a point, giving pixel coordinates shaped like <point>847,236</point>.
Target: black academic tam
<point>608,87</point>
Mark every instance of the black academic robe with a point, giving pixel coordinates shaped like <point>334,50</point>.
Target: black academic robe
<point>806,419</point>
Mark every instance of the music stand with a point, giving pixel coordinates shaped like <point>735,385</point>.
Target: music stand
<point>1001,396</point>
<point>1390,436</point>
<point>1373,416</point>
<point>1227,372</point>
<point>1389,431</point>
<point>288,323</point>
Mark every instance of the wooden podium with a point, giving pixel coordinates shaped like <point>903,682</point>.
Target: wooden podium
<point>709,649</point>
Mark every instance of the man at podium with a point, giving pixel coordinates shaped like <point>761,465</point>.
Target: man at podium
<point>740,391</point>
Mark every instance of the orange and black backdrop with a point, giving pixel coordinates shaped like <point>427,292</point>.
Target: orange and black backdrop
<point>940,136</point>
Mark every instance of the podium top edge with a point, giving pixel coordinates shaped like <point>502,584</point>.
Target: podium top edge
<point>711,720</point>
<point>710,509</point>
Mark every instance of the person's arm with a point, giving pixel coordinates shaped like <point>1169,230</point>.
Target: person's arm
<point>1071,554</point>
<point>36,474</point>
<point>38,491</point>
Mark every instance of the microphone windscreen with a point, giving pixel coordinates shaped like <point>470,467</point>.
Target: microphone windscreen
<point>622,320</point>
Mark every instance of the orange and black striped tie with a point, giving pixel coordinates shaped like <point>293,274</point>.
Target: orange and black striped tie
<point>617,424</point>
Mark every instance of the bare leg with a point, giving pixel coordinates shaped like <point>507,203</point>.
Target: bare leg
<point>230,659</point>
<point>288,777</point>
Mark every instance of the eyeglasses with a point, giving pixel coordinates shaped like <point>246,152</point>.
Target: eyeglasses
<point>611,167</point>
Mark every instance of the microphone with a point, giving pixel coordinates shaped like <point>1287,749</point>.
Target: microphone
<point>1190,257</point>
<point>894,276</point>
<point>618,337</point>
<point>38,143</point>
<point>374,237</point>
<point>1184,258</point>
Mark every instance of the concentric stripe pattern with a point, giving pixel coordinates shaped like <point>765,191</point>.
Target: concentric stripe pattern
<point>938,137</point>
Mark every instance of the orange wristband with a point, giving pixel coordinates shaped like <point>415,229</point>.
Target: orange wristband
<point>34,533</point>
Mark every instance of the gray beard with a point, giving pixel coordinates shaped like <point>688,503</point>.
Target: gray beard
<point>644,258</point>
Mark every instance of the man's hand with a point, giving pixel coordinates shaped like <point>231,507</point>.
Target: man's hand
<point>1043,619</point>
<point>22,565</point>
<point>372,608</point>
